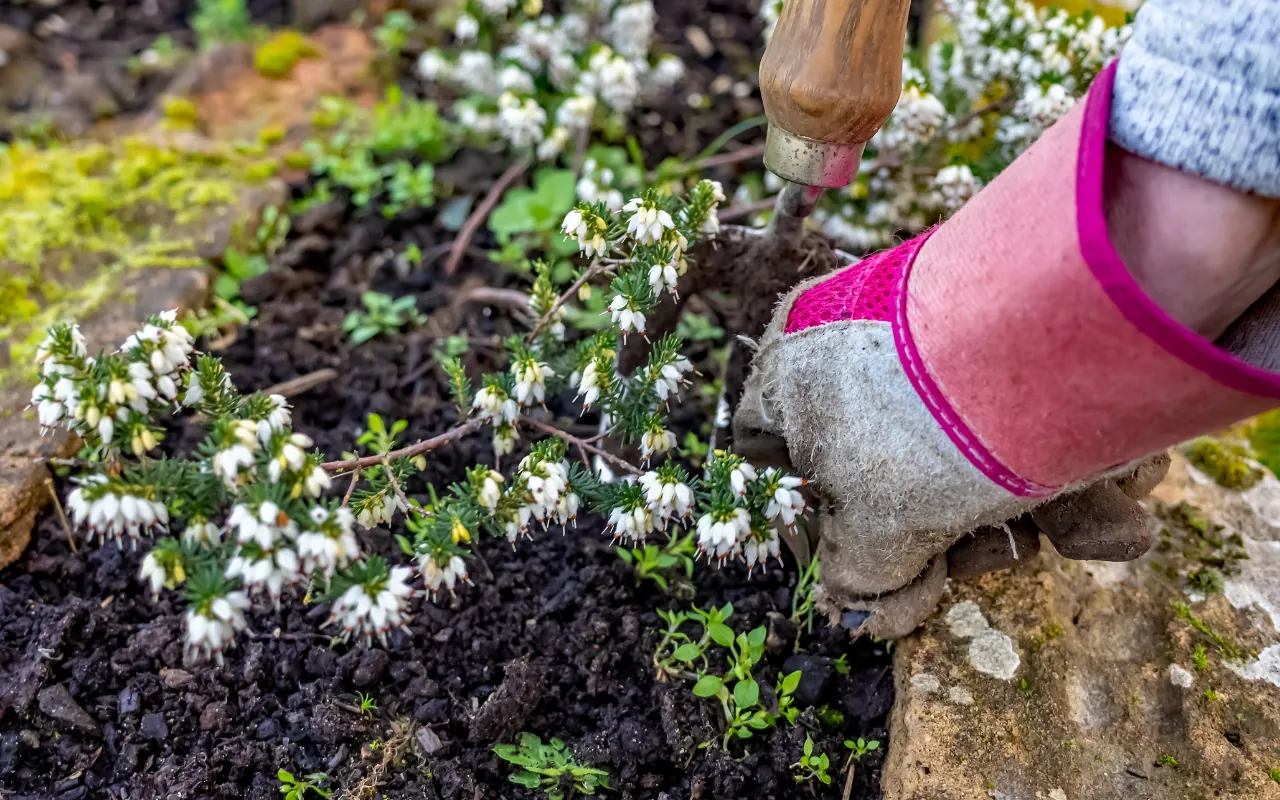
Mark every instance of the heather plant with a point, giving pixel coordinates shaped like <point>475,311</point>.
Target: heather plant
<point>248,516</point>
<point>542,83</point>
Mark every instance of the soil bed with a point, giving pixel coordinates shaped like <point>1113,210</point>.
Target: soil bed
<point>562,614</point>
<point>553,638</point>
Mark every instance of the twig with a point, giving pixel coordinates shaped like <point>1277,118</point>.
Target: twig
<point>746,210</point>
<point>351,487</point>
<point>848,783</point>
<point>743,154</point>
<point>595,269</point>
<point>481,213</point>
<point>490,296</point>
<point>302,383</point>
<point>395,484</point>
<point>424,446</point>
<point>62,516</point>
<point>582,444</point>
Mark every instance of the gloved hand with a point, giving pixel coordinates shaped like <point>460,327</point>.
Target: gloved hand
<point>997,377</point>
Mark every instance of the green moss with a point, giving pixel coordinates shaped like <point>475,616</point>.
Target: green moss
<point>277,57</point>
<point>180,112</point>
<point>75,217</point>
<point>1228,649</point>
<point>297,160</point>
<point>1166,760</point>
<point>262,171</point>
<point>1200,658</point>
<point>1206,580</point>
<point>1226,462</point>
<point>1263,433</point>
<point>272,134</point>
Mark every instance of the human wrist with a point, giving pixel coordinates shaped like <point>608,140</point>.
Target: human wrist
<point>1202,251</point>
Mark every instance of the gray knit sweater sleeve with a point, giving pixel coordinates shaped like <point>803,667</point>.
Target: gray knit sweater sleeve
<point>1198,88</point>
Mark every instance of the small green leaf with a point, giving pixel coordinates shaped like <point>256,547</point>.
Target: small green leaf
<point>790,682</point>
<point>720,634</point>
<point>625,555</point>
<point>824,777</point>
<point>405,546</point>
<point>874,744</point>
<point>285,775</point>
<point>808,746</point>
<point>746,693</point>
<point>526,779</point>
<point>756,637</point>
<point>686,652</point>
<point>708,686</point>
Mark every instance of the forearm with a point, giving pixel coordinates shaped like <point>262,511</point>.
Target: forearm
<point>1198,88</point>
<point>1193,181</point>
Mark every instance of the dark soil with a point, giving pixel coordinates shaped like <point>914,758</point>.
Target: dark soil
<point>554,638</point>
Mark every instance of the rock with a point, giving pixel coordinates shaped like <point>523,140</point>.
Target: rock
<point>57,703</point>
<point>1087,680</point>
<point>214,717</point>
<point>510,705</point>
<point>154,727</point>
<point>128,702</point>
<point>429,741</point>
<point>372,664</point>
<point>176,678</point>
<point>267,729</point>
<point>21,71</point>
<point>307,14</point>
<point>815,677</point>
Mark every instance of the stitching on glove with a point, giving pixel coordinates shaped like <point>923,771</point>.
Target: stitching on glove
<point>930,393</point>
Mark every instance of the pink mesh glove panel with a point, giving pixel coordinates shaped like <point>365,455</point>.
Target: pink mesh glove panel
<point>1002,374</point>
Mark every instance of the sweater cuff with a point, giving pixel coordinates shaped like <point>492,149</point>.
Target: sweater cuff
<point>1203,95</point>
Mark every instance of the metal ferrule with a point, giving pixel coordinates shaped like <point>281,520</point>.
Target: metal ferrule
<point>810,162</point>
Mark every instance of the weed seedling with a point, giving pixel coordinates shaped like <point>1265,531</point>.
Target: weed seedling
<point>1166,760</point>
<point>654,563</point>
<point>298,788</point>
<point>551,767</point>
<point>382,315</point>
<point>1200,658</point>
<point>367,705</point>
<point>809,768</point>
<point>1274,774</point>
<point>802,600</point>
<point>860,747</point>
<point>842,664</point>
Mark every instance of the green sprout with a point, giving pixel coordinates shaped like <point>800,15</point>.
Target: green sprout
<point>809,767</point>
<point>860,747</point>
<point>382,315</point>
<point>296,788</point>
<point>367,704</point>
<point>653,563</point>
<point>551,767</point>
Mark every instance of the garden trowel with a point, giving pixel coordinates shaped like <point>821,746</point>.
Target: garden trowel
<point>830,76</point>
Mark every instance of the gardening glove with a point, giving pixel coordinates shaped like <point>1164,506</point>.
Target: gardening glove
<point>999,376</point>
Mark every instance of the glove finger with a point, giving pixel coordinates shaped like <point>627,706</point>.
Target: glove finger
<point>891,615</point>
<point>1099,523</point>
<point>994,547</point>
<point>1145,476</point>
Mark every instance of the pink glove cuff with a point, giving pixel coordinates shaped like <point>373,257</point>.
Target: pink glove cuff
<point>1024,334</point>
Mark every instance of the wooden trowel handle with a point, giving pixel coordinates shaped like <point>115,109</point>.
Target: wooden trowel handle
<point>833,70</point>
